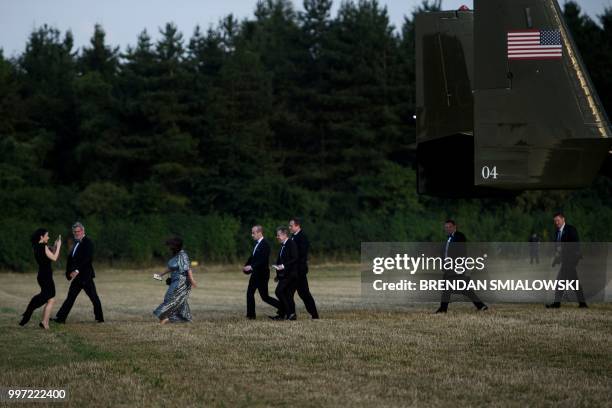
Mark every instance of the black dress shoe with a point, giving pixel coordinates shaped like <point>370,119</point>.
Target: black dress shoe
<point>250,317</point>
<point>292,316</point>
<point>441,310</point>
<point>100,321</point>
<point>483,308</point>
<point>276,317</point>
<point>554,305</point>
<point>583,305</point>
<point>315,317</point>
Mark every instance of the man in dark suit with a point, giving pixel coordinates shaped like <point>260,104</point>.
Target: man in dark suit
<point>257,267</point>
<point>568,255</point>
<point>301,240</point>
<point>286,274</point>
<point>455,247</point>
<point>80,273</point>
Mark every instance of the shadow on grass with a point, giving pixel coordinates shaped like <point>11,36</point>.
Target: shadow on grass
<point>36,348</point>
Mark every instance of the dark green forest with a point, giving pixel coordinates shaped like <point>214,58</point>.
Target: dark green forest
<point>284,113</point>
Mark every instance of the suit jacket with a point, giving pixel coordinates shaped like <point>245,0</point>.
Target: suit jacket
<point>570,249</point>
<point>260,258</point>
<point>457,247</point>
<point>301,240</point>
<point>287,256</point>
<point>81,260</point>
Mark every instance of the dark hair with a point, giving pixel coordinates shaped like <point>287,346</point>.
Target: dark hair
<point>175,244</point>
<point>296,221</point>
<point>450,221</point>
<point>35,238</point>
<point>283,230</point>
<point>559,214</point>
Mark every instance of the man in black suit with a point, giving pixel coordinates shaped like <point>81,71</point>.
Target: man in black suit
<point>568,255</point>
<point>301,240</point>
<point>257,267</point>
<point>80,272</point>
<point>286,274</point>
<point>454,248</point>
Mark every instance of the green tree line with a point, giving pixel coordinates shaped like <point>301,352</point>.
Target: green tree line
<point>285,113</point>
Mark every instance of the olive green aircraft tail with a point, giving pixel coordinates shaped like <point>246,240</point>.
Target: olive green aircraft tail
<point>504,102</point>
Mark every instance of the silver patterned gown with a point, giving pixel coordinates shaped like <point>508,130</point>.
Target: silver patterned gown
<point>175,306</point>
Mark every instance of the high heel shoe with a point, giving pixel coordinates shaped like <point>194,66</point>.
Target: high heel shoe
<point>42,326</point>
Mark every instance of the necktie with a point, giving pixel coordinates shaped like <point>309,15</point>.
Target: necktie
<point>447,244</point>
<point>75,246</point>
<point>558,235</point>
<point>255,249</point>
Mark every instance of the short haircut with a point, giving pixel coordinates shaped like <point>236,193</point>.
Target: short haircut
<point>296,221</point>
<point>559,214</point>
<point>175,244</point>
<point>258,228</point>
<point>78,225</point>
<point>450,221</point>
<point>283,230</point>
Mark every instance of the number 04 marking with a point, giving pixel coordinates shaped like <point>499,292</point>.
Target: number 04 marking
<point>488,173</point>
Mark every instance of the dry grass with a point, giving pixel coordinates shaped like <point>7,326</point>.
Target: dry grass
<point>514,355</point>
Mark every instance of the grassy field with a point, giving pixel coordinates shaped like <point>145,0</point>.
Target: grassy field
<point>511,355</point>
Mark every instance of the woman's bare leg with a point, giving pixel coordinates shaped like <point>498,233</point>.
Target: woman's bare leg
<point>164,321</point>
<point>47,312</point>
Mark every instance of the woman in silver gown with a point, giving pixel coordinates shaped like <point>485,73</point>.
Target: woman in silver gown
<point>175,308</point>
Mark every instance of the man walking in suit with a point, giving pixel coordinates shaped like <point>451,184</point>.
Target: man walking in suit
<point>454,248</point>
<point>286,274</point>
<point>301,240</point>
<point>257,267</point>
<point>80,273</point>
<point>568,255</point>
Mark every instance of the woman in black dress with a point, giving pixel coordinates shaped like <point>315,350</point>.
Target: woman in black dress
<point>44,255</point>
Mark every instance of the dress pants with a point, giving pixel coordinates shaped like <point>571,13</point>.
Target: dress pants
<point>284,291</point>
<point>304,294</point>
<point>468,293</point>
<point>76,286</point>
<point>568,272</point>
<point>259,282</point>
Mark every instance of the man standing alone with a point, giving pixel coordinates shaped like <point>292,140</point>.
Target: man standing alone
<point>299,237</point>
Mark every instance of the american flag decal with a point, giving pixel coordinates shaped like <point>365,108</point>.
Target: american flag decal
<point>534,44</point>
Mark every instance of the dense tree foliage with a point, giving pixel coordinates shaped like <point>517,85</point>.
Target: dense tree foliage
<point>287,113</point>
